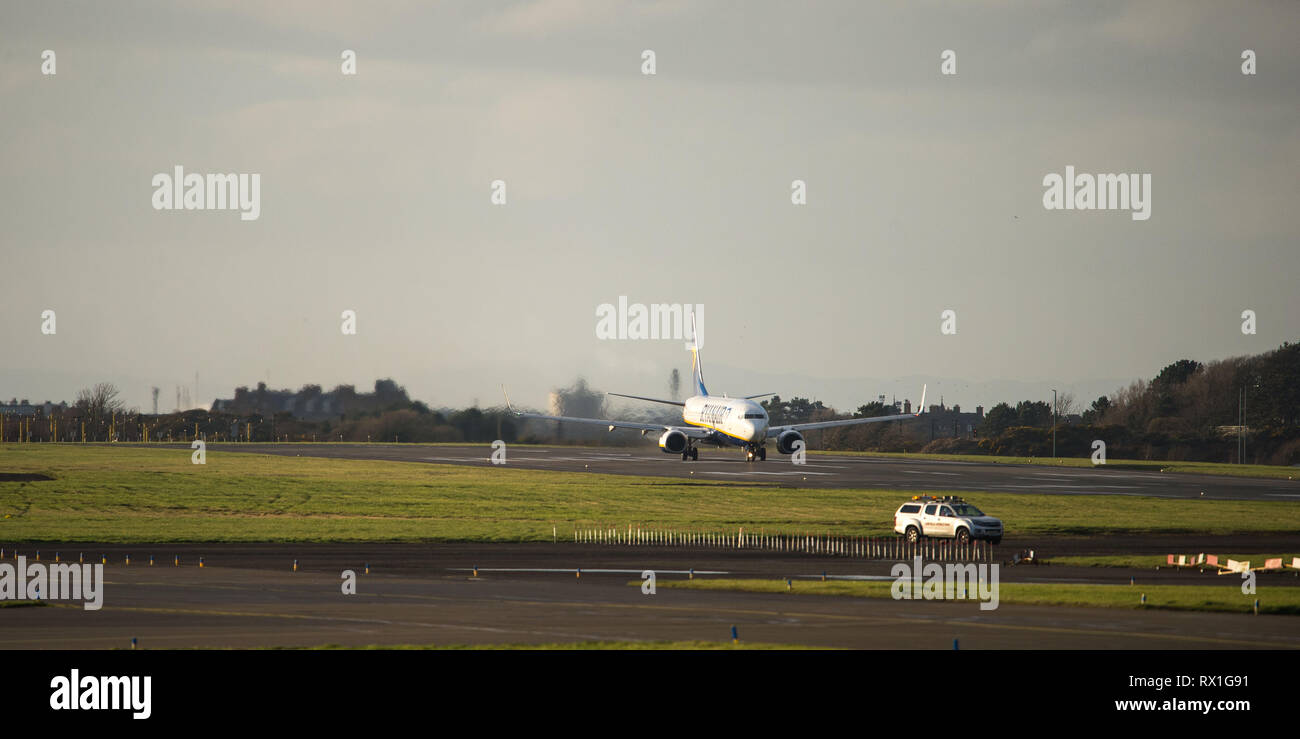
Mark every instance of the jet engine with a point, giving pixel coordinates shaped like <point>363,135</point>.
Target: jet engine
<point>785,442</point>
<point>672,442</point>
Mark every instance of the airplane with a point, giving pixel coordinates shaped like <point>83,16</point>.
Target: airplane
<point>720,420</point>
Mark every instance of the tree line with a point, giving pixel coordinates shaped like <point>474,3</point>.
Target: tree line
<point>1188,411</point>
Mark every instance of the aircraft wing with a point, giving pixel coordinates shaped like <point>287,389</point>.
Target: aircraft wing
<point>778,430</point>
<point>691,431</point>
<point>596,422</point>
<point>652,400</point>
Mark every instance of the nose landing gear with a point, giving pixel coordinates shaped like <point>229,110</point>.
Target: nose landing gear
<point>756,452</point>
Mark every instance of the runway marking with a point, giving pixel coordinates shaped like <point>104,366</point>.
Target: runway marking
<point>1078,485</point>
<point>382,622</point>
<point>845,577</point>
<point>710,610</point>
<point>929,472</point>
<point>755,472</point>
<point>597,571</point>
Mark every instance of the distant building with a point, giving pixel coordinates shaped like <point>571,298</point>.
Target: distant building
<point>311,403</point>
<point>952,423</point>
<point>16,408</point>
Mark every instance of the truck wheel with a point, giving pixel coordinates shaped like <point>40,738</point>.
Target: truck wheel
<point>912,534</point>
<point>963,537</point>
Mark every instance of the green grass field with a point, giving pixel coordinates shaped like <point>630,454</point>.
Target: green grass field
<point>1199,468</point>
<point>133,494</point>
<point>1280,600</point>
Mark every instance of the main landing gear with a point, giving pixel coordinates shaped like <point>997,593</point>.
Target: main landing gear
<point>755,452</point>
<point>690,453</point>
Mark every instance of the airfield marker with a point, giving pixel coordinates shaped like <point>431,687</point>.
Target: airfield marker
<point>200,563</point>
<point>295,565</point>
<point>735,638</point>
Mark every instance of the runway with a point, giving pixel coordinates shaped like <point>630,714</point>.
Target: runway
<point>821,470</point>
<point>426,593</point>
<point>248,595</point>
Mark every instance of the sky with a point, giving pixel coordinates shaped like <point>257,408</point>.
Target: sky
<point>924,193</point>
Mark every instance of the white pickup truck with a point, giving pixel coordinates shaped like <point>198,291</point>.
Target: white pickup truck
<point>947,518</point>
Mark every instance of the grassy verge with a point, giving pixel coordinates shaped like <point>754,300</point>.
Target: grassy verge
<point>1200,468</point>
<point>1164,597</point>
<point>22,603</point>
<point>124,495</point>
<point>1151,561</point>
<point>581,646</point>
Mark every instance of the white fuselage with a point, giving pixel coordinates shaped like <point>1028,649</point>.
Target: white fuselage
<point>740,421</point>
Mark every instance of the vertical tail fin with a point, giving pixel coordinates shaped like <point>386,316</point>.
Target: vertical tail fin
<point>697,368</point>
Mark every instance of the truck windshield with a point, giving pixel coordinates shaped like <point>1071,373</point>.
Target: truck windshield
<point>966,509</point>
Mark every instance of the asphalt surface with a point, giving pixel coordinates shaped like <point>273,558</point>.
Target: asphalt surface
<point>248,595</point>
<point>821,470</point>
